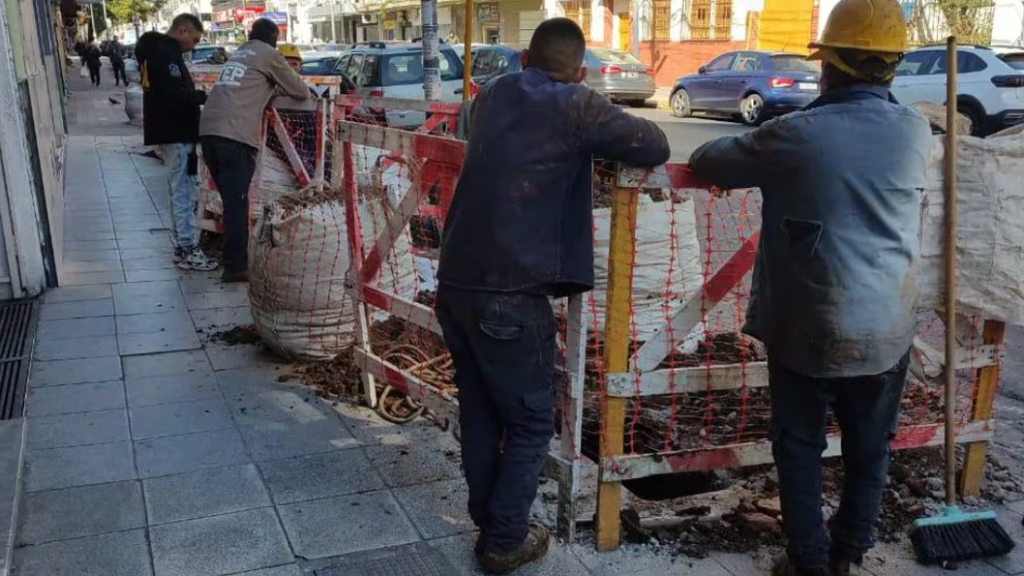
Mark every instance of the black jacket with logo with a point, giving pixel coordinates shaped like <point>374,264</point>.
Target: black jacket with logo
<point>170,102</point>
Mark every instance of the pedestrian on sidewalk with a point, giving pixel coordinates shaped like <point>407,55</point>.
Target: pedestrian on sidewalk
<point>833,296</point>
<point>93,63</point>
<point>117,61</point>
<point>520,230</point>
<point>230,131</point>
<point>171,105</point>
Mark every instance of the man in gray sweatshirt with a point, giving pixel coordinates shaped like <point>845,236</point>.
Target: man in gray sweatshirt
<point>230,131</point>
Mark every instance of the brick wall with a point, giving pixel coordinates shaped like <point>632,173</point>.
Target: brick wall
<point>672,60</point>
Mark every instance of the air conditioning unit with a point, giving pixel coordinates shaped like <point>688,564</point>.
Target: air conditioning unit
<point>369,18</point>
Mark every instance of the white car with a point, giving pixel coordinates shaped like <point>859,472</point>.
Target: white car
<point>990,89</point>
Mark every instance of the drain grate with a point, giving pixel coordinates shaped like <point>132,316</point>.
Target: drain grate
<point>412,560</point>
<point>17,326</point>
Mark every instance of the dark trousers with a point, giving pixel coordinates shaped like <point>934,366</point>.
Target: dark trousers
<point>94,75</point>
<point>503,347</point>
<point>867,411</point>
<point>119,73</point>
<point>231,166</point>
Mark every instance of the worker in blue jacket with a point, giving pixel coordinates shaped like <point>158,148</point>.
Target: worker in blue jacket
<point>520,230</point>
<point>833,297</point>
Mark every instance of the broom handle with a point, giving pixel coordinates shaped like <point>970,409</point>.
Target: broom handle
<point>949,185</point>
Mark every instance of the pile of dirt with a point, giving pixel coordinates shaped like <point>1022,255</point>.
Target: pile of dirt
<point>338,378</point>
<point>719,348</point>
<point>246,334</point>
<point>747,515</point>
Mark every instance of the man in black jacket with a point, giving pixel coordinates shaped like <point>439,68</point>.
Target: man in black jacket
<point>116,53</point>
<point>170,108</point>
<point>520,230</point>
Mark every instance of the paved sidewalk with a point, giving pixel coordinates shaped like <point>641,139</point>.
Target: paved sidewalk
<point>154,451</point>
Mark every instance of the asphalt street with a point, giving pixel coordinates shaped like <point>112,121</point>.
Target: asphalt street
<point>686,134</point>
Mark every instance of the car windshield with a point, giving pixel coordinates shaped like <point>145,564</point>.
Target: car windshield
<point>614,57</point>
<point>788,63</point>
<point>316,67</point>
<point>400,69</point>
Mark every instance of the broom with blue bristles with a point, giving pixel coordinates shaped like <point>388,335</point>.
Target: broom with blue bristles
<point>953,535</point>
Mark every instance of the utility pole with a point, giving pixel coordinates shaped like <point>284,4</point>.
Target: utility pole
<point>635,32</point>
<point>135,18</point>
<point>431,51</point>
<point>334,31</point>
<point>106,21</point>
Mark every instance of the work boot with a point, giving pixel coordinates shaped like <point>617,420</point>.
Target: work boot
<point>232,276</point>
<point>843,568</point>
<point>785,567</point>
<point>193,258</point>
<point>533,548</point>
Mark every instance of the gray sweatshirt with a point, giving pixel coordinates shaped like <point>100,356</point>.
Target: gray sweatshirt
<point>255,73</point>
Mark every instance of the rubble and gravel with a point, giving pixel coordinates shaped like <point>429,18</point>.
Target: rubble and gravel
<point>245,334</point>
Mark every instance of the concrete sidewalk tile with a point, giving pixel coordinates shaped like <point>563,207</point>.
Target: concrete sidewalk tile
<point>898,560</point>
<point>71,348</point>
<point>224,357</point>
<point>135,276</point>
<point>320,476</point>
<point>145,240</point>
<point>72,398</point>
<point>157,342</point>
<point>220,545</point>
<point>1012,563</point>
<point>346,524</point>
<point>285,570</point>
<point>146,303</point>
<point>189,453</point>
<point>739,564</point>
<point>70,237</point>
<point>63,430</point>
<point>93,278</point>
<point>175,321</point>
<point>92,256</point>
<point>157,390</point>
<point>628,561</point>
<point>58,372</point>
<point>166,364</point>
<point>204,493</point>
<point>78,466</point>
<point>416,464</point>
<point>216,300</point>
<point>250,381</point>
<point>84,511</point>
<point>100,266</point>
<point>118,554</point>
<point>162,262</point>
<point>75,328</point>
<point>180,418</point>
<point>558,562</point>
<point>108,244</point>
<point>437,509</point>
<point>222,318</point>
<point>370,429</point>
<point>78,294</point>
<point>212,284</point>
<point>165,252</point>
<point>128,295</point>
<point>277,440</point>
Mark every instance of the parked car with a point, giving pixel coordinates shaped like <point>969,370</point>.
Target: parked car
<point>319,66</point>
<point>991,89</point>
<point>209,54</point>
<point>1014,59</point>
<point>489,62</point>
<point>619,76</point>
<point>753,85</point>
<point>395,70</point>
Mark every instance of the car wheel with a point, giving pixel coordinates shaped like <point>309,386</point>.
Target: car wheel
<point>971,111</point>
<point>752,110</point>
<point>680,102</point>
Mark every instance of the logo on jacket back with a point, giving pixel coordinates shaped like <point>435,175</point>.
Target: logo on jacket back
<point>231,74</point>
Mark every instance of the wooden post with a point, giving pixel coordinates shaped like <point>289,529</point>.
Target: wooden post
<point>616,355</point>
<point>988,382</point>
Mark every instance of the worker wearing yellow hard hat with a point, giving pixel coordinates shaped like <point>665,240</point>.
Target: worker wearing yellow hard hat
<point>833,295</point>
<point>292,55</point>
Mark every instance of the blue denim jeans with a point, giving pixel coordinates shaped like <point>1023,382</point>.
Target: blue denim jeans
<point>503,347</point>
<point>184,194</point>
<point>867,411</point>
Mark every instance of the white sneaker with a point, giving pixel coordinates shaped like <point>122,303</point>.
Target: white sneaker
<point>194,259</point>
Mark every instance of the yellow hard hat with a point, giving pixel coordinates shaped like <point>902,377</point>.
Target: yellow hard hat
<point>870,25</point>
<point>290,51</point>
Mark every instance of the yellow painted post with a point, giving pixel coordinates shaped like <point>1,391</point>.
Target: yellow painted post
<point>988,382</point>
<point>467,57</point>
<point>616,355</point>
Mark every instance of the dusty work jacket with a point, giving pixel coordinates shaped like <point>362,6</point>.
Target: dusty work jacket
<point>834,291</point>
<point>521,218</point>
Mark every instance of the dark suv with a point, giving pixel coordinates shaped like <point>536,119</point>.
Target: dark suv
<point>492,61</point>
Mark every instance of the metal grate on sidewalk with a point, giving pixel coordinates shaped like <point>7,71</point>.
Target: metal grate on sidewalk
<point>17,326</point>
<point>411,560</point>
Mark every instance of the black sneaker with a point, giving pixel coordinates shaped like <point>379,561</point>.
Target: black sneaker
<point>533,548</point>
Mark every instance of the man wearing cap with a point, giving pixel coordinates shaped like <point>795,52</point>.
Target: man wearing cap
<point>833,296</point>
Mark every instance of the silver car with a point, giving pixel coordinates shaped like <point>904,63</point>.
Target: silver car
<point>619,76</point>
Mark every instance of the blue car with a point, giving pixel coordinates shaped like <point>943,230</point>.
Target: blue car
<point>752,85</point>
